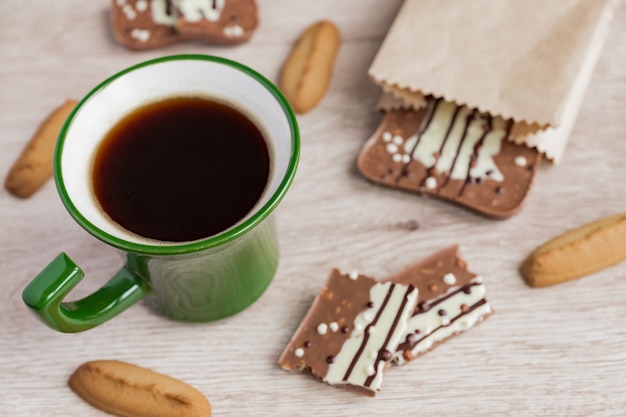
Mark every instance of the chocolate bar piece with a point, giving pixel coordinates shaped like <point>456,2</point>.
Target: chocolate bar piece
<point>227,22</point>
<point>351,331</point>
<point>454,153</point>
<point>149,24</point>
<point>451,301</point>
<point>139,24</point>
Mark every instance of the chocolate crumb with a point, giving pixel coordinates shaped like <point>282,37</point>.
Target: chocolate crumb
<point>442,312</point>
<point>370,304</point>
<point>385,355</point>
<point>464,308</point>
<point>330,359</point>
<point>432,287</point>
<point>409,225</point>
<point>307,344</point>
<point>345,329</point>
<point>423,306</point>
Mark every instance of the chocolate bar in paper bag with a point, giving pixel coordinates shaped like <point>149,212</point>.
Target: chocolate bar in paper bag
<point>475,92</point>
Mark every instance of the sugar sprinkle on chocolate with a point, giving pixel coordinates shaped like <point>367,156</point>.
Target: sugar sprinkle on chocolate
<point>449,278</point>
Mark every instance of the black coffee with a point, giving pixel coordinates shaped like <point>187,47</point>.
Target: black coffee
<point>181,169</point>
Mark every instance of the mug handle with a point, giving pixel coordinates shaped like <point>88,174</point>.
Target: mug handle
<point>44,295</point>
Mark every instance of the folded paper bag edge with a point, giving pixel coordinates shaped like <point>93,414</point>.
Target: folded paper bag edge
<point>551,139</point>
<point>509,94</point>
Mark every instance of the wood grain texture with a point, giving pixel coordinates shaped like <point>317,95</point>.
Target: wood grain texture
<point>557,351</point>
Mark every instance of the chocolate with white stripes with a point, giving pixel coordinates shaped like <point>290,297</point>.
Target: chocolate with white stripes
<point>149,24</point>
<point>451,301</point>
<point>454,153</point>
<point>357,325</point>
<point>351,331</point>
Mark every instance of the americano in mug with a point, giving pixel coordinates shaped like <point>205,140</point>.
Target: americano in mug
<point>192,277</point>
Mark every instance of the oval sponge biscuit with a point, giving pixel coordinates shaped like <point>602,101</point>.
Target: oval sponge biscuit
<point>308,70</point>
<point>577,253</point>
<point>128,390</point>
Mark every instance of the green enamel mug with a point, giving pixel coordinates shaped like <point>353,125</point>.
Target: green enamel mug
<point>201,280</point>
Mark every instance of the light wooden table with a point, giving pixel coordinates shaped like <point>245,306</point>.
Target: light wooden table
<point>558,351</point>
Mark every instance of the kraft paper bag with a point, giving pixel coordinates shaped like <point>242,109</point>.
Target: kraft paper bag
<point>526,60</point>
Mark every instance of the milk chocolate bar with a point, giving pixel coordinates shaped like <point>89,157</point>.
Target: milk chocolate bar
<point>351,331</point>
<point>225,22</point>
<point>451,300</point>
<point>454,153</point>
<point>143,24</point>
<point>149,24</point>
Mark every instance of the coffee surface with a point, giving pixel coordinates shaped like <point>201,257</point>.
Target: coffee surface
<point>181,169</point>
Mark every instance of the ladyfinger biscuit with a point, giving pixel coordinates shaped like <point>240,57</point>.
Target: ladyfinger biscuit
<point>451,300</point>
<point>35,165</point>
<point>351,331</point>
<point>307,72</point>
<point>579,252</point>
<point>453,153</point>
<point>128,390</point>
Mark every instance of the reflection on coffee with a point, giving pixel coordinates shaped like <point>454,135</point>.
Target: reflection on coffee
<point>181,169</point>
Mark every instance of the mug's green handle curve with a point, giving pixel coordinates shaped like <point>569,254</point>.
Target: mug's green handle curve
<point>44,295</point>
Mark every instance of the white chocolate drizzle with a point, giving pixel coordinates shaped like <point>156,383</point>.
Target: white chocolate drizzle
<point>361,362</point>
<point>430,327</point>
<point>456,141</point>
<point>190,10</point>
